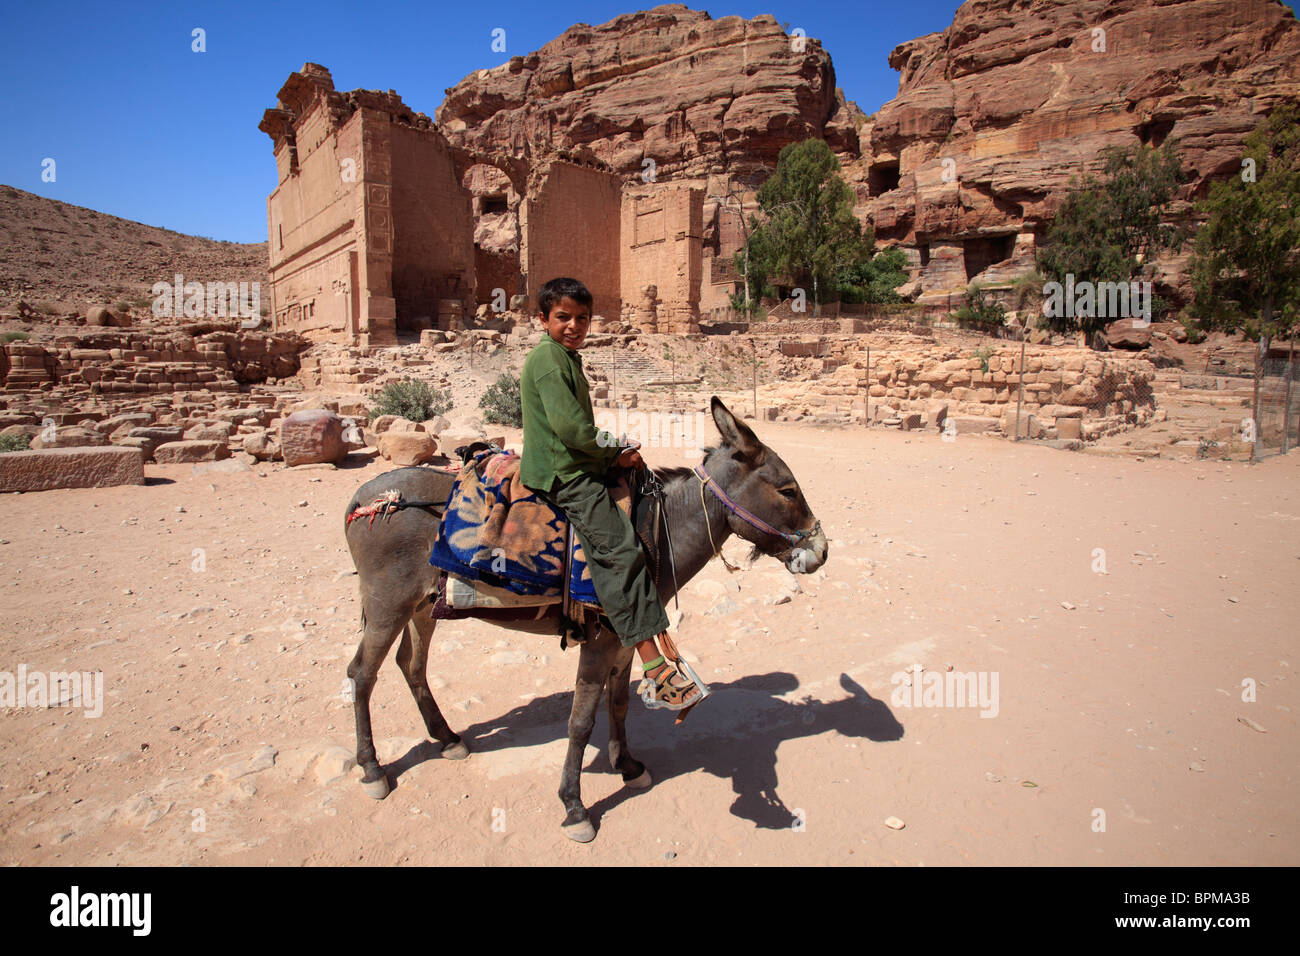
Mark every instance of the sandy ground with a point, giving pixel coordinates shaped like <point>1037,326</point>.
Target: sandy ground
<point>1120,737</point>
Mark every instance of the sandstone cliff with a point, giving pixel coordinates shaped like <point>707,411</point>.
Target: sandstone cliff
<point>693,94</point>
<point>995,114</point>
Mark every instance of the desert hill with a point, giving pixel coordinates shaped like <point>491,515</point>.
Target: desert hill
<point>62,258</point>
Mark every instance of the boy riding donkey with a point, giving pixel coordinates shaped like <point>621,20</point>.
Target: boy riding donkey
<point>565,461</point>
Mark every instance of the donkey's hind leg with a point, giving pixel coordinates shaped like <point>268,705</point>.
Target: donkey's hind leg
<point>380,632</point>
<point>412,658</point>
<point>634,772</point>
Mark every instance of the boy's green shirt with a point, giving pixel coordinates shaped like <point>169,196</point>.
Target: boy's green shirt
<point>561,440</point>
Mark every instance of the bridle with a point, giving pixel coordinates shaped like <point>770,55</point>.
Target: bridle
<point>794,539</point>
<point>651,486</point>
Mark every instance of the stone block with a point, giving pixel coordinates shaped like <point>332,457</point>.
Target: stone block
<point>176,452</point>
<point>95,467</point>
<point>312,436</point>
<point>1069,428</point>
<point>69,437</point>
<point>407,447</point>
<point>975,425</point>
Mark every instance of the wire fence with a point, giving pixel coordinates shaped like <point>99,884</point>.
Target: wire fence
<point>1277,417</point>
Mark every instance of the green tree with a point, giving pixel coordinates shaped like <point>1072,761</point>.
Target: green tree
<point>761,267</point>
<point>810,233</point>
<point>874,279</point>
<point>1245,269</point>
<point>1110,229</point>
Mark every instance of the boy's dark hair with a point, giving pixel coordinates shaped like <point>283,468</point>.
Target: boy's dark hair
<point>558,289</point>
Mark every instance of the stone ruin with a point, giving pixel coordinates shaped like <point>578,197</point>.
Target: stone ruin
<point>572,160</point>
<point>575,160</point>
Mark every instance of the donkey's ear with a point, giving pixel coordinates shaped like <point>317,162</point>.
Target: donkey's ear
<point>738,436</point>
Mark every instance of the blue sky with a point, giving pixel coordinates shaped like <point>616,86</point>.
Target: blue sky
<point>142,127</point>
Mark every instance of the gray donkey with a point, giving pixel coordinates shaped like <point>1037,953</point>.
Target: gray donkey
<point>397,582</point>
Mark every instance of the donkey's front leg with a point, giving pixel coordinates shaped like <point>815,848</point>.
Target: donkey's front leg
<point>593,670</point>
<point>634,772</point>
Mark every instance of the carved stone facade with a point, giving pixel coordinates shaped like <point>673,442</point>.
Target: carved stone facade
<point>663,258</point>
<point>370,230</point>
<point>378,225</point>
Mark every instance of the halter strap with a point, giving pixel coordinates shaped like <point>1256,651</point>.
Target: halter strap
<point>753,519</point>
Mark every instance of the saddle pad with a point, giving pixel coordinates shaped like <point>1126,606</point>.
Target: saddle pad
<point>496,531</point>
<point>463,594</point>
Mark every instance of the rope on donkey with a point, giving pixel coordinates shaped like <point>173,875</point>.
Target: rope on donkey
<point>387,504</point>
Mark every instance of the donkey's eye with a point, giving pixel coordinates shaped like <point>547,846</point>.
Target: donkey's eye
<point>791,493</point>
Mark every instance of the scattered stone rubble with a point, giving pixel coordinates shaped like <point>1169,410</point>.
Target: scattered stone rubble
<point>255,397</point>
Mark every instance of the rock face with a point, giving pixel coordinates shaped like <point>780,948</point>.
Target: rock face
<point>996,113</point>
<point>694,94</point>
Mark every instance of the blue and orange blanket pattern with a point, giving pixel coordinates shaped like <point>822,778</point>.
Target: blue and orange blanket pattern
<point>499,532</point>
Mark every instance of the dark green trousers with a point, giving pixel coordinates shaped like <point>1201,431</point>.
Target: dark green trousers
<point>617,564</point>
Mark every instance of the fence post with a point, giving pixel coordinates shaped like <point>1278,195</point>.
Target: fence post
<point>866,397</point>
<point>1286,408</point>
<point>1020,393</point>
<point>1254,407</point>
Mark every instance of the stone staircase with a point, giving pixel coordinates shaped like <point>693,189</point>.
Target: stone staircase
<point>623,370</point>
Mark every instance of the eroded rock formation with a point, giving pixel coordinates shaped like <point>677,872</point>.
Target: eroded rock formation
<point>671,84</point>
<point>996,114</point>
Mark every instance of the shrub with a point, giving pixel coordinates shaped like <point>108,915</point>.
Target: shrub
<point>502,403</point>
<point>983,355</point>
<point>1195,334</point>
<point>121,305</point>
<point>15,442</point>
<point>980,311</point>
<point>410,399</point>
<point>13,336</point>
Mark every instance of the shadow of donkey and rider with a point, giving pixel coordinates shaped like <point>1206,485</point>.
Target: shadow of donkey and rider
<point>752,709</point>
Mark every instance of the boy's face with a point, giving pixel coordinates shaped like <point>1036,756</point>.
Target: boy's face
<point>568,323</point>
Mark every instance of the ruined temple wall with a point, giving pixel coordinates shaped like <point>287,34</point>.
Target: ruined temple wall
<point>662,239</point>
<point>493,271</point>
<point>570,228</point>
<point>1072,392</point>
<point>433,227</point>
<point>313,246</point>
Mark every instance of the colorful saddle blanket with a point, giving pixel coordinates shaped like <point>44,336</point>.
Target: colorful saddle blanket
<point>498,532</point>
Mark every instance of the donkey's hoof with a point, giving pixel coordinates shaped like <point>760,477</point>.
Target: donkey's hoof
<point>456,751</point>
<point>376,789</point>
<point>643,782</point>
<point>582,832</point>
